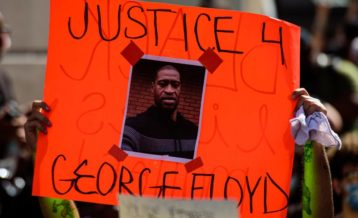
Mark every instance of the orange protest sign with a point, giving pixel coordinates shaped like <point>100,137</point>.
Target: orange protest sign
<point>164,100</point>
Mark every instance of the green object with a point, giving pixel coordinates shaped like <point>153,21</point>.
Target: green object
<point>64,207</point>
<point>57,208</point>
<point>308,181</point>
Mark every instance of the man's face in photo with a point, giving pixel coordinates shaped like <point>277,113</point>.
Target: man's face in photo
<point>166,89</point>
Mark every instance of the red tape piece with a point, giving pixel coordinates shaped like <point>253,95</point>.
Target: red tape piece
<point>194,164</point>
<point>117,153</point>
<point>132,53</point>
<point>210,60</point>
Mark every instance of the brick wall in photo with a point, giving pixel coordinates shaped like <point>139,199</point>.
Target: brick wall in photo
<point>141,96</point>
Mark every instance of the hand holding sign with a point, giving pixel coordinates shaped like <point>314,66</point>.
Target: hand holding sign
<point>36,121</point>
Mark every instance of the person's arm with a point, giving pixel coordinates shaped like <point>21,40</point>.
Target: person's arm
<point>38,122</point>
<point>317,198</point>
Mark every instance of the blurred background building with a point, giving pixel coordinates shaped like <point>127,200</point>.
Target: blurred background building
<point>26,59</point>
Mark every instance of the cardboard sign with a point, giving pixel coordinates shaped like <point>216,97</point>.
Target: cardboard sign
<point>234,73</point>
<point>134,207</point>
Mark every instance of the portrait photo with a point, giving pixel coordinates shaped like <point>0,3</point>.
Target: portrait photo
<point>163,112</point>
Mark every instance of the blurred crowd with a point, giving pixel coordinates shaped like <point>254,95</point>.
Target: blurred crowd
<point>329,71</point>
<point>16,164</point>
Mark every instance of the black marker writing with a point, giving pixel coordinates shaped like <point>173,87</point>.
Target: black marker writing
<point>196,29</point>
<point>164,185</point>
<point>155,21</point>
<point>85,15</point>
<point>217,30</point>
<point>100,28</point>
<point>88,178</point>
<point>280,42</point>
<point>104,180</point>
<point>194,187</point>
<point>130,16</point>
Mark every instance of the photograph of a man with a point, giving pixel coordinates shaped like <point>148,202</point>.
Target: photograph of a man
<point>161,129</point>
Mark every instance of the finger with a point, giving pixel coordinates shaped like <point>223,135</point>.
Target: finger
<point>39,117</point>
<point>316,107</point>
<point>311,109</point>
<point>38,105</point>
<point>311,105</point>
<point>300,102</point>
<point>306,105</point>
<point>33,126</point>
<point>299,92</point>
